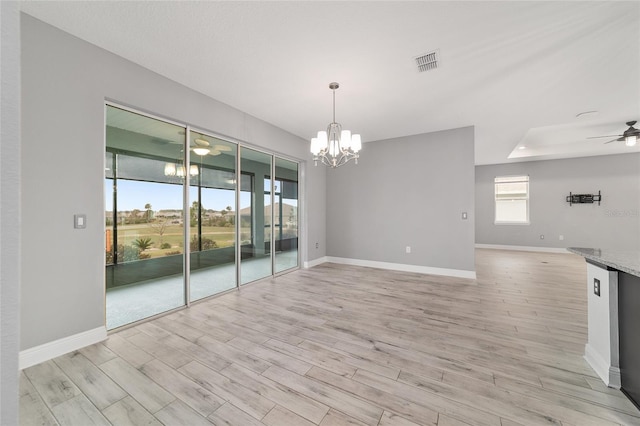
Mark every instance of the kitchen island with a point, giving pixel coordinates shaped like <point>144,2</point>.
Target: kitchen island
<point>613,288</point>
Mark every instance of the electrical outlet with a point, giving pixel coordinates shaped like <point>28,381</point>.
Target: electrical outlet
<point>407,249</point>
<point>317,245</point>
<point>561,237</point>
<point>596,287</point>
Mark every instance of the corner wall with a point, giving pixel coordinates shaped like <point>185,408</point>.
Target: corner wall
<point>65,82</point>
<point>9,210</point>
<point>613,224</point>
<point>408,191</point>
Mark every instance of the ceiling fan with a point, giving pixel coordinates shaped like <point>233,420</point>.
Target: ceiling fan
<point>202,147</point>
<point>630,136</point>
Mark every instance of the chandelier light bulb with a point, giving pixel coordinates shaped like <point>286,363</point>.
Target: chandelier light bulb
<point>356,142</point>
<point>322,140</point>
<point>345,139</point>
<point>169,169</point>
<point>315,146</point>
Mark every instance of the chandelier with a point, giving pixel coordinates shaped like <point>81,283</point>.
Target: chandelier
<point>173,169</point>
<point>335,147</point>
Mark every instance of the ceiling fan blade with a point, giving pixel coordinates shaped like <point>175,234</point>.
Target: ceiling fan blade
<point>615,140</point>
<point>606,136</point>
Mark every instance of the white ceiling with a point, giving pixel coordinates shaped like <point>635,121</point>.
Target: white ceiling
<point>519,72</point>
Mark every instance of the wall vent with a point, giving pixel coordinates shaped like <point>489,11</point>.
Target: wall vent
<point>428,61</point>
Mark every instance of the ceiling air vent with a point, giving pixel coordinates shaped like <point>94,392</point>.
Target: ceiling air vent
<point>428,61</point>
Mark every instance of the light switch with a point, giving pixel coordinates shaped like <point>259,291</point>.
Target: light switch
<point>596,287</point>
<point>80,221</point>
<point>464,215</point>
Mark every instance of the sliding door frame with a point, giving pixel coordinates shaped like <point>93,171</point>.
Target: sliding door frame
<point>186,203</point>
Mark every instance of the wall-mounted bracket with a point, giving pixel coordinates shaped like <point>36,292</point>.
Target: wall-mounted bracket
<point>584,198</point>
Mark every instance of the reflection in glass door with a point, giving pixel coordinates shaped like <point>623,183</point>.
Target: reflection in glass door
<point>235,233</point>
<point>144,245</point>
<point>286,215</point>
<point>255,212</point>
<point>213,217</point>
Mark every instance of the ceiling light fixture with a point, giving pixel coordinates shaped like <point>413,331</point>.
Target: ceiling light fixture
<point>202,147</point>
<point>201,151</point>
<point>631,140</point>
<point>335,147</point>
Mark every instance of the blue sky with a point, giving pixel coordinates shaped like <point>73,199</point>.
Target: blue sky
<point>134,195</point>
<point>161,196</point>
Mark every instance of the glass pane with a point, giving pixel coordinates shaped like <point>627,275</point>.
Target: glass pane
<point>511,210</point>
<point>267,215</point>
<point>144,223</point>
<point>255,211</point>
<point>503,179</point>
<point>212,235</point>
<point>512,190</point>
<point>286,215</point>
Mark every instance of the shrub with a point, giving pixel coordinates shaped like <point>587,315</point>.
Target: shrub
<point>207,244</point>
<point>172,253</point>
<point>165,246</point>
<point>125,254</point>
<point>142,243</point>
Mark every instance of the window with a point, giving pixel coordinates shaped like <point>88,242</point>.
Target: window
<point>512,200</point>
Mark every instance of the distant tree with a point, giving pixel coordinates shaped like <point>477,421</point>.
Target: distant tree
<point>134,216</point>
<point>159,226</point>
<point>195,207</point>
<point>149,212</point>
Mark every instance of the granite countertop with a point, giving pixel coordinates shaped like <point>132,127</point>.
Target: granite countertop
<point>623,260</point>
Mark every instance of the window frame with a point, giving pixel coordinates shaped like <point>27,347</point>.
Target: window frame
<point>513,179</point>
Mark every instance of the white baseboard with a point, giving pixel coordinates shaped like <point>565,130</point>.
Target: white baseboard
<point>459,273</point>
<point>315,262</point>
<point>522,248</point>
<point>614,378</point>
<point>609,374</point>
<point>47,351</point>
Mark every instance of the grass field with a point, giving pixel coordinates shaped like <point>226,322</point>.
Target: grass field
<point>127,234</point>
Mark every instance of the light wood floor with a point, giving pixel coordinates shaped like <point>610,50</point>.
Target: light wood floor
<point>344,345</point>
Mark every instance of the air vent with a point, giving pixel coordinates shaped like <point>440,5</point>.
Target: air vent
<point>428,61</point>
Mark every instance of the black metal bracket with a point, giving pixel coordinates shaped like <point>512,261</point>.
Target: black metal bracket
<point>583,198</point>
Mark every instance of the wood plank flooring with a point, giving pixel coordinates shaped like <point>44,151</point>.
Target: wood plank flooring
<point>343,345</point>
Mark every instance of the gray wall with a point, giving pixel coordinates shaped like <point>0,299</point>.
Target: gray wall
<point>65,82</point>
<point>9,211</point>
<point>613,224</point>
<point>407,191</point>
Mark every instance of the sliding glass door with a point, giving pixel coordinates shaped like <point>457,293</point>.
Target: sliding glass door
<point>286,215</point>
<point>189,215</point>
<point>255,210</point>
<point>213,220</point>
<point>144,216</point>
